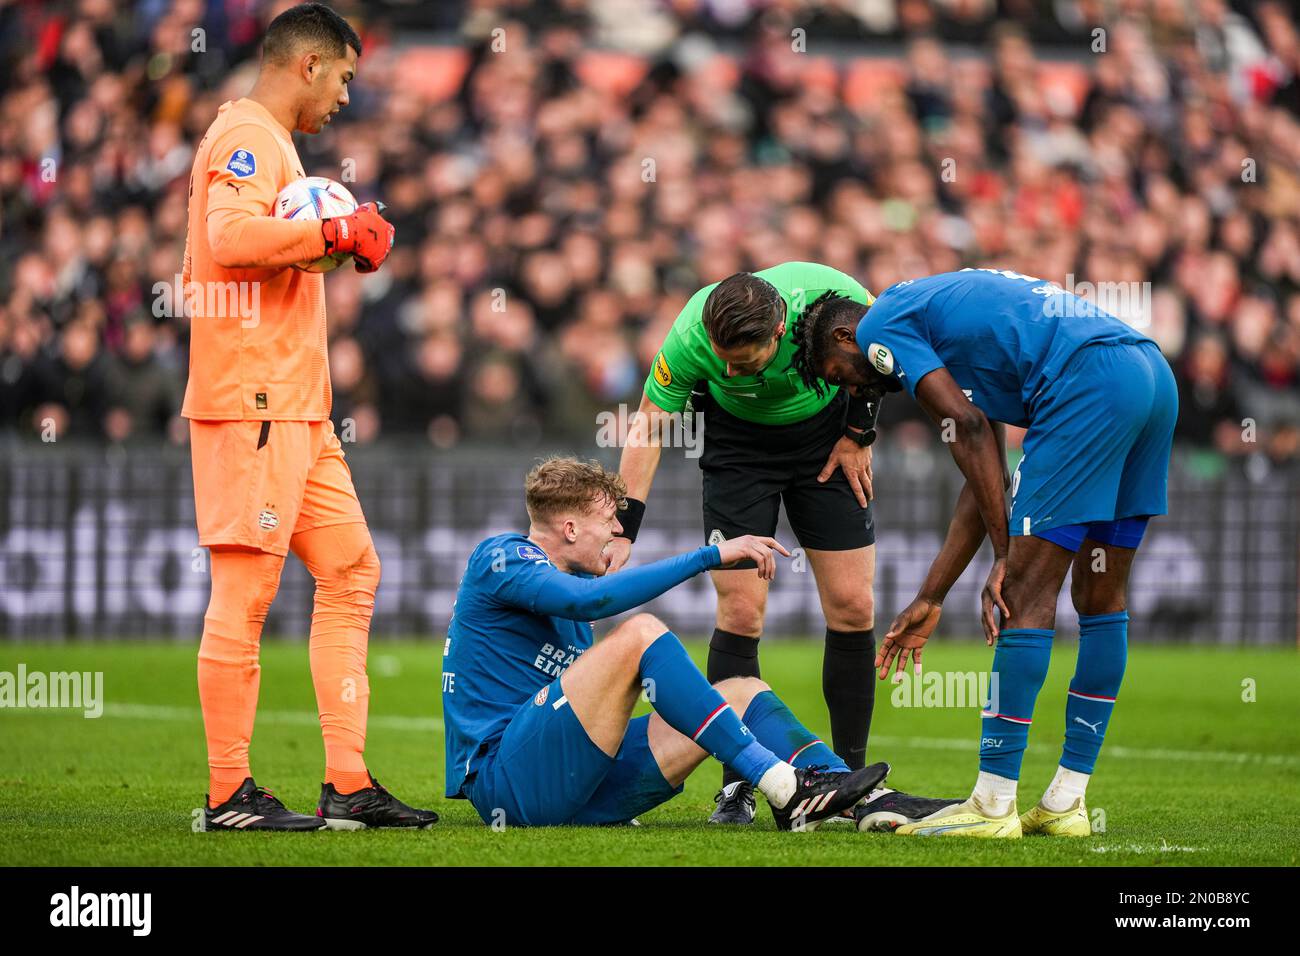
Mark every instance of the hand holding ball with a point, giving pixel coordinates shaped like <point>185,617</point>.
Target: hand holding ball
<point>351,231</point>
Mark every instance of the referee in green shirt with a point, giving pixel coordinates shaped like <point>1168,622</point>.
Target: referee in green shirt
<point>769,438</point>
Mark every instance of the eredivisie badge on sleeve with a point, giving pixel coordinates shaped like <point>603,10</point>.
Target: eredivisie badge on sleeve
<point>242,163</point>
<point>663,375</point>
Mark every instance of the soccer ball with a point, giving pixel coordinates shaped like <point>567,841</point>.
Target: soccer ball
<point>316,198</point>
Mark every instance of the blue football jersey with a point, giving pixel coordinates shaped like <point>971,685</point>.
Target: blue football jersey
<point>499,652</point>
<point>1004,337</point>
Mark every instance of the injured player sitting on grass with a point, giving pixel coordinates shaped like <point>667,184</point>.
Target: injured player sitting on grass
<point>539,727</point>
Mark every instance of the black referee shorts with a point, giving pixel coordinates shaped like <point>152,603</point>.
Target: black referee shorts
<point>749,469</point>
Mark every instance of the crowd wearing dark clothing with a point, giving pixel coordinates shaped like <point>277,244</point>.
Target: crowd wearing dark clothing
<point>552,220</point>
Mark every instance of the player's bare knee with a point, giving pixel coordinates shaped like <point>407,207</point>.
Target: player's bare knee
<point>739,691</point>
<point>741,617</point>
<point>1034,614</point>
<point>1030,607</point>
<point>646,627</point>
<point>1079,587</point>
<point>637,633</point>
<point>1093,592</point>
<point>1083,594</point>
<point>1099,601</point>
<point>852,612</point>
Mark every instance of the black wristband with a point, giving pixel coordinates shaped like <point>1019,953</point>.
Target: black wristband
<point>864,439</point>
<point>864,409</point>
<point>630,518</point>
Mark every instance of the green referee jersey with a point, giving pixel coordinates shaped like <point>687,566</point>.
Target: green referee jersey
<point>776,395</point>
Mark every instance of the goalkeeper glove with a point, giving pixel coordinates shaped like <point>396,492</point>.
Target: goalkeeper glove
<point>365,234</point>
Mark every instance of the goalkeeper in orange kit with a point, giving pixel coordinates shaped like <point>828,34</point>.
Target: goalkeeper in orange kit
<point>269,472</point>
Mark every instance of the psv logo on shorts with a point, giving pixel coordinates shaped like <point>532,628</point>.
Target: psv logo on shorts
<point>268,521</point>
<point>541,696</point>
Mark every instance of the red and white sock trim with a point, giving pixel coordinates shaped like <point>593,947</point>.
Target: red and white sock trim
<point>708,720</point>
<point>810,743</point>
<point>1097,697</point>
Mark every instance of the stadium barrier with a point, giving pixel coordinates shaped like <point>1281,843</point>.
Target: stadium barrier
<point>98,543</point>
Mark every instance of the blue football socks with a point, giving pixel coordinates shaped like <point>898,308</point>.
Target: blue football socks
<point>1019,669</point>
<point>683,697</point>
<point>777,728</point>
<point>1103,653</point>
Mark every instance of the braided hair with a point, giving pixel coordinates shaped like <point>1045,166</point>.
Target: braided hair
<point>812,334</point>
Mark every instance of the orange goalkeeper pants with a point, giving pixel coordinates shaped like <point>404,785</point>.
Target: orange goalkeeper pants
<point>343,561</point>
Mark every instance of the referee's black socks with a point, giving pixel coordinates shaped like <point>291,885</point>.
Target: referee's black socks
<point>849,686</point>
<point>731,655</point>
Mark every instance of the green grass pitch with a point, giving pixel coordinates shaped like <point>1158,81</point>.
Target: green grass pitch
<point>1192,774</point>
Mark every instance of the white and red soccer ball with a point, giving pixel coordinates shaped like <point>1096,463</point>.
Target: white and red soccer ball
<point>316,198</point>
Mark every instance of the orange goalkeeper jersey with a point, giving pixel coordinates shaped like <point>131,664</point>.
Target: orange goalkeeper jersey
<point>257,326</point>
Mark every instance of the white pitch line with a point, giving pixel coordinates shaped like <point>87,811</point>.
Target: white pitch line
<point>426,724</point>
<point>299,718</point>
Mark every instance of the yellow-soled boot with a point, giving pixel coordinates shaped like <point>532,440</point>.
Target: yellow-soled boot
<point>1073,822</point>
<point>965,819</point>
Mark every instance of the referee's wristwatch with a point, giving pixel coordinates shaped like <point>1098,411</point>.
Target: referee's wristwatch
<point>863,438</point>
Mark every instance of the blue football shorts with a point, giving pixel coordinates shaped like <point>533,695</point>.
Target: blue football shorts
<point>546,771</point>
<point>1096,455</point>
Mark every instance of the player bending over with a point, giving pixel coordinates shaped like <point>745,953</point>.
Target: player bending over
<point>981,347</point>
<point>269,473</point>
<point>539,727</point>
<point>770,439</point>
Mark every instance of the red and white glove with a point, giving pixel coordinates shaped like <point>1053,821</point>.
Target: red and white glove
<point>365,234</point>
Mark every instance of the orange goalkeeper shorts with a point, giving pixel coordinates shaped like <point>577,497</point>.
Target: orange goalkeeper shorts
<point>258,484</point>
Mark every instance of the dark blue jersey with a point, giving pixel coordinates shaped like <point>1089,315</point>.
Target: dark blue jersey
<point>1004,337</point>
<point>518,624</point>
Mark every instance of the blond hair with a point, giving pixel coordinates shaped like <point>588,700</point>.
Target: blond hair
<point>561,484</point>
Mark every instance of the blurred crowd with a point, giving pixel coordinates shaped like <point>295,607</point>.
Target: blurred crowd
<point>552,219</point>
